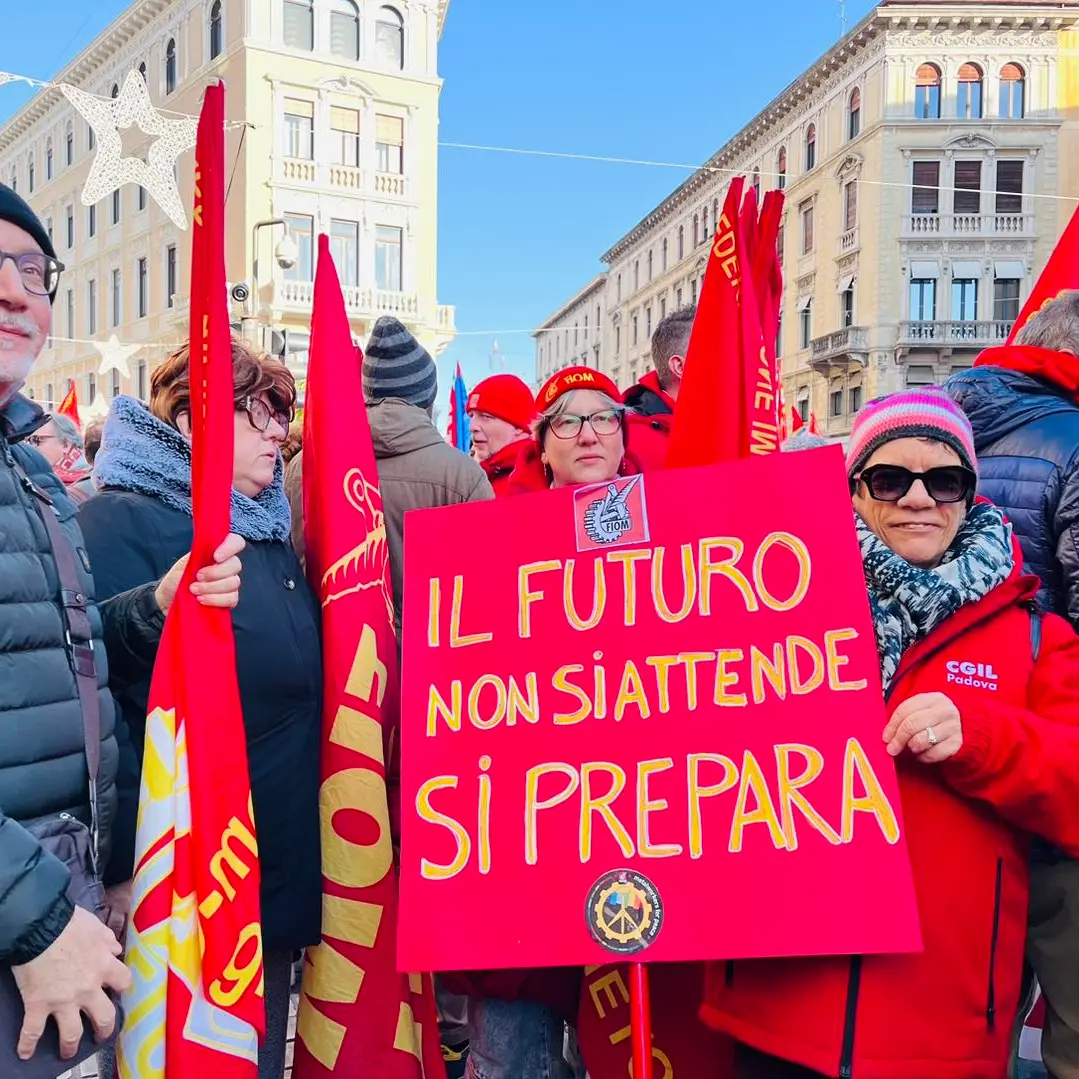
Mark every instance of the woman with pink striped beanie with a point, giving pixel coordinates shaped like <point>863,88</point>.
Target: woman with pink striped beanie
<point>983,722</point>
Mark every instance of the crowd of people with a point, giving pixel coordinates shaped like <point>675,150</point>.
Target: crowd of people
<point>966,505</point>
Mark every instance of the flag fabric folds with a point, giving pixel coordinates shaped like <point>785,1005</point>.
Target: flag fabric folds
<point>69,406</point>
<point>1061,272</point>
<point>458,433</point>
<point>358,1016</point>
<point>194,942</point>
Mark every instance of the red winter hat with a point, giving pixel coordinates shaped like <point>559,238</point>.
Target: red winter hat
<point>506,397</point>
<point>574,378</point>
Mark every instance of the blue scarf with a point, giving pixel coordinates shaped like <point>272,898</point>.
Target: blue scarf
<point>908,603</point>
<point>140,453</point>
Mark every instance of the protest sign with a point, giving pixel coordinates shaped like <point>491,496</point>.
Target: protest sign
<point>644,719</point>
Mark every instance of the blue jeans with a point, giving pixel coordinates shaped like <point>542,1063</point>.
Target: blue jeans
<point>519,1040</point>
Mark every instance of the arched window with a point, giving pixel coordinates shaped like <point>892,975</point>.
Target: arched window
<point>69,143</point>
<point>927,92</point>
<point>664,262</point>
<point>31,173</point>
<point>757,184</point>
<point>217,31</point>
<point>1012,92</point>
<point>115,91</point>
<point>636,274</point>
<point>142,70</point>
<point>48,160</point>
<point>649,265</point>
<point>345,30</point>
<point>681,242</point>
<point>696,229</point>
<point>715,211</point>
<point>704,225</point>
<point>811,147</point>
<point>390,38</point>
<point>781,168</point>
<point>300,25</point>
<point>170,66</point>
<point>854,113</point>
<point>968,93</point>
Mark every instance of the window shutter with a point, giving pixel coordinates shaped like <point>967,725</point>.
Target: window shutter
<point>347,120</point>
<point>390,129</point>
<point>294,106</point>
<point>926,178</point>
<point>968,187</point>
<point>1009,187</point>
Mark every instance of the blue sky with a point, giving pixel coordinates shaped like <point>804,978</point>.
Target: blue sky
<point>517,234</point>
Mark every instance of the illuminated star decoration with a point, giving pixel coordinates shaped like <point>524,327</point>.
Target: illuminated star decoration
<point>111,170</point>
<point>114,356</point>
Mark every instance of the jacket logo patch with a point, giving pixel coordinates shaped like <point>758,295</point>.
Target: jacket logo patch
<point>975,675</point>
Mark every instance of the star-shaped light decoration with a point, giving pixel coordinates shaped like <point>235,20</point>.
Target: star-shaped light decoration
<point>98,408</point>
<point>111,170</point>
<point>114,356</point>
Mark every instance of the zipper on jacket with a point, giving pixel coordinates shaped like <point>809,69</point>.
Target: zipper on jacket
<point>991,994</point>
<point>850,1017</point>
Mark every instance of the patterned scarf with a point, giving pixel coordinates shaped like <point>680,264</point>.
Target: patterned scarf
<point>908,603</point>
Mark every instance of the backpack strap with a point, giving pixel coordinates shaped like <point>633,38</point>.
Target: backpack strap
<point>78,637</point>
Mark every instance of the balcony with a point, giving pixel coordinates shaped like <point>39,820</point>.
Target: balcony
<point>365,303</point>
<point>848,241</point>
<point>968,225</point>
<point>345,178</point>
<point>953,334</point>
<point>847,346</point>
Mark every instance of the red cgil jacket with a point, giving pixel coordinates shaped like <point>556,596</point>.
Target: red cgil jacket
<point>948,1012</point>
<point>499,466</point>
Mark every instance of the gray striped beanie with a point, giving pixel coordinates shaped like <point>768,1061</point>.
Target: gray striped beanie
<point>397,365</point>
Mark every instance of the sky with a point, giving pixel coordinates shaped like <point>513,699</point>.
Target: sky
<point>518,234</point>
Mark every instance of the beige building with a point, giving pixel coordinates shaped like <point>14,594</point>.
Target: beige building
<point>341,99</point>
<point>923,163</point>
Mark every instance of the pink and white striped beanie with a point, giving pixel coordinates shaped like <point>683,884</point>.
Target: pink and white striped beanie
<point>928,413</point>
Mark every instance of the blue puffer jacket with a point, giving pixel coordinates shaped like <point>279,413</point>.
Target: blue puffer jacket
<point>1026,435</point>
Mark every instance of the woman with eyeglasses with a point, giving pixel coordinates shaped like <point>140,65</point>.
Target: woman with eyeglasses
<point>137,526</point>
<point>982,704</point>
<point>580,436</point>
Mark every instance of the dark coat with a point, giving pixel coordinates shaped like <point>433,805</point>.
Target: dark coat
<point>42,753</point>
<point>1026,435</point>
<point>134,537</point>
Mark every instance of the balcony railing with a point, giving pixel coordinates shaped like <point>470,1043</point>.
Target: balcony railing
<point>359,302</point>
<point>348,178</point>
<point>446,318</point>
<point>965,334</point>
<point>851,340</point>
<point>848,241</point>
<point>969,224</point>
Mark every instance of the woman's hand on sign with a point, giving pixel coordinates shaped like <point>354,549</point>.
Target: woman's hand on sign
<point>216,585</point>
<point>929,725</point>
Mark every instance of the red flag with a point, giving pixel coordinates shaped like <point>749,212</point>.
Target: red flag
<point>358,1017</point>
<point>1061,272</point>
<point>194,944</point>
<point>69,406</point>
<point>706,428</point>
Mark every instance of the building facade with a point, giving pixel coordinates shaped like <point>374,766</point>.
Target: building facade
<point>923,164</point>
<point>340,102</point>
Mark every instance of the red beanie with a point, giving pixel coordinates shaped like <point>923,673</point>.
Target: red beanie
<point>506,397</point>
<point>574,378</point>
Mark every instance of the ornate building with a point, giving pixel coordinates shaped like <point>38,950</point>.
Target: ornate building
<point>922,161</point>
<point>340,98</point>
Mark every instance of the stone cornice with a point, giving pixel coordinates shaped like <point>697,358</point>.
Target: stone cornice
<point>872,34</point>
<point>101,51</point>
<point>594,285</point>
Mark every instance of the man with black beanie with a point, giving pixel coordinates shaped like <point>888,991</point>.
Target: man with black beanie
<point>62,958</point>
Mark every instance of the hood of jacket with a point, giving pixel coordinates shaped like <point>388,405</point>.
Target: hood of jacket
<point>999,400</point>
<point>648,397</point>
<point>398,427</point>
<point>140,453</point>
<point>20,418</point>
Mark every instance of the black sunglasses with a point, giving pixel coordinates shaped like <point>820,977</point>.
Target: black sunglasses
<point>889,483</point>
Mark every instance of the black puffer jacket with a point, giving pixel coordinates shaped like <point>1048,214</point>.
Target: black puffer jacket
<point>1026,435</point>
<point>42,755</point>
<point>132,536</point>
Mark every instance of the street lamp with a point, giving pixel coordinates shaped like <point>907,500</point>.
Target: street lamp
<point>286,255</point>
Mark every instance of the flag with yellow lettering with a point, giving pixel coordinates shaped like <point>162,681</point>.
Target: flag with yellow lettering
<point>358,1016</point>
<point>194,945</point>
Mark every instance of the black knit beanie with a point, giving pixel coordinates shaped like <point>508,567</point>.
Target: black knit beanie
<point>397,365</point>
<point>14,208</point>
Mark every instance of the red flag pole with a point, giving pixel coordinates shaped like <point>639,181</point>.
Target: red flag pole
<point>640,1011</point>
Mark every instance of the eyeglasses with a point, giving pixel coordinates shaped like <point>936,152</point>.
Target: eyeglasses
<point>40,273</point>
<point>568,425</point>
<point>889,483</point>
<point>259,415</point>
<point>36,440</point>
